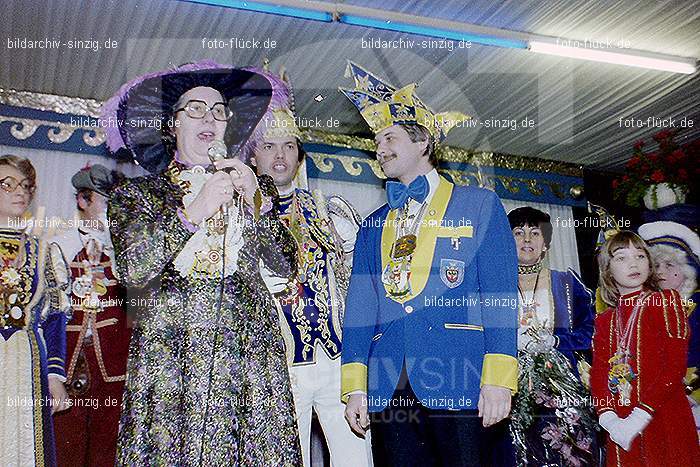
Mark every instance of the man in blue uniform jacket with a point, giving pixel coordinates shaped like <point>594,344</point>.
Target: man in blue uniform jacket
<point>431,319</point>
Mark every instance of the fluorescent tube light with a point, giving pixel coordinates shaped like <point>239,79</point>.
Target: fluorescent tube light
<point>444,29</point>
<point>423,30</point>
<point>282,10</point>
<point>617,56</point>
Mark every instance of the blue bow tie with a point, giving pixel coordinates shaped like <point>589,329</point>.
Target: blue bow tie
<point>398,193</point>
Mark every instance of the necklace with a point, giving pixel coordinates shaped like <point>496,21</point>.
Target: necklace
<point>529,311</point>
<point>531,268</point>
<point>15,282</point>
<point>406,237</point>
<point>621,373</point>
<point>203,254</point>
<point>396,276</point>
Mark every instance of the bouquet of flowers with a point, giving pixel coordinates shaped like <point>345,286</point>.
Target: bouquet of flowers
<point>670,164</point>
<point>546,385</point>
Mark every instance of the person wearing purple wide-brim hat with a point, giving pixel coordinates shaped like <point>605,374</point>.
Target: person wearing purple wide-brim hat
<point>207,381</point>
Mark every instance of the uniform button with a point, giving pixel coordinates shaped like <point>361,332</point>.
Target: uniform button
<point>409,309</point>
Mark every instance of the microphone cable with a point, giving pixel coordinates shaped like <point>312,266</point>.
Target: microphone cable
<point>219,303</point>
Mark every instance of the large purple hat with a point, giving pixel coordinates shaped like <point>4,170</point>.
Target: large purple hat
<point>134,118</point>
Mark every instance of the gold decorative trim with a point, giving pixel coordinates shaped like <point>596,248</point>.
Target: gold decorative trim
<point>453,154</point>
<point>92,107</point>
<point>59,132</point>
<point>508,161</point>
<point>353,165</point>
<point>51,102</point>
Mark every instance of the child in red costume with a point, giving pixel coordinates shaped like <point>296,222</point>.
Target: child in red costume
<point>639,354</point>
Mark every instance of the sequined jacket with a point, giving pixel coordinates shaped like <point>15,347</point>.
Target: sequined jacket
<point>311,312</point>
<point>207,380</point>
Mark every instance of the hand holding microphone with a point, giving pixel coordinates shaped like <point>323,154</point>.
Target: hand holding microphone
<point>242,177</point>
<point>217,192</point>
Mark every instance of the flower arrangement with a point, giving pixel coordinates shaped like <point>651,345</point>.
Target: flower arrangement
<point>670,164</point>
<point>552,402</point>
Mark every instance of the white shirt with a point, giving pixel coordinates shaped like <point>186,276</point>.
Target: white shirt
<point>433,182</point>
<point>414,206</point>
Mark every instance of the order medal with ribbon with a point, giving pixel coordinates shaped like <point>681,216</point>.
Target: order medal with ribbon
<point>403,246</point>
<point>620,377</point>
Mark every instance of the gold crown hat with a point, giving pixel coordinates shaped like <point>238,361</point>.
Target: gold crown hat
<point>382,105</point>
<point>281,124</point>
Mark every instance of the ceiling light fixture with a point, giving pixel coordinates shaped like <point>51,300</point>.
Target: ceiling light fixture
<point>617,56</point>
<point>293,9</point>
<point>444,29</point>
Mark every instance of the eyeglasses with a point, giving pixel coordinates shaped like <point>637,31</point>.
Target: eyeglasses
<point>9,184</point>
<point>198,109</point>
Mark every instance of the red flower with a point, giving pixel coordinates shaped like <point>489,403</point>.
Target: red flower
<point>615,184</point>
<point>676,156</point>
<point>657,176</point>
<point>625,178</point>
<point>662,135</point>
<point>683,174</point>
<point>639,145</point>
<point>653,157</point>
<point>633,162</point>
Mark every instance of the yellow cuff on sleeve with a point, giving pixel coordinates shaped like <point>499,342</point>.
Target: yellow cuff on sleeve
<point>353,378</point>
<point>500,370</point>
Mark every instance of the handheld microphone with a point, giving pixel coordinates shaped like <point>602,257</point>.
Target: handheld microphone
<point>217,151</point>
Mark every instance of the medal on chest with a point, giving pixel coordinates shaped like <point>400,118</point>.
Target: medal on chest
<point>403,246</point>
<point>621,373</point>
<point>15,285</point>
<point>309,250</point>
<point>528,311</point>
<point>620,376</point>
<point>89,287</point>
<point>396,275</point>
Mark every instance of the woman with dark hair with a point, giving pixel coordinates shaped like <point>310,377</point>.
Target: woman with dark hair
<point>207,380</point>
<point>552,422</point>
<point>33,307</point>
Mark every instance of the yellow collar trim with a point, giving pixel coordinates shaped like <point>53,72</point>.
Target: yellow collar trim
<point>427,238</point>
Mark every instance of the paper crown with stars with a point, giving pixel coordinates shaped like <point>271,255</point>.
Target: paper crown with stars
<point>382,105</point>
